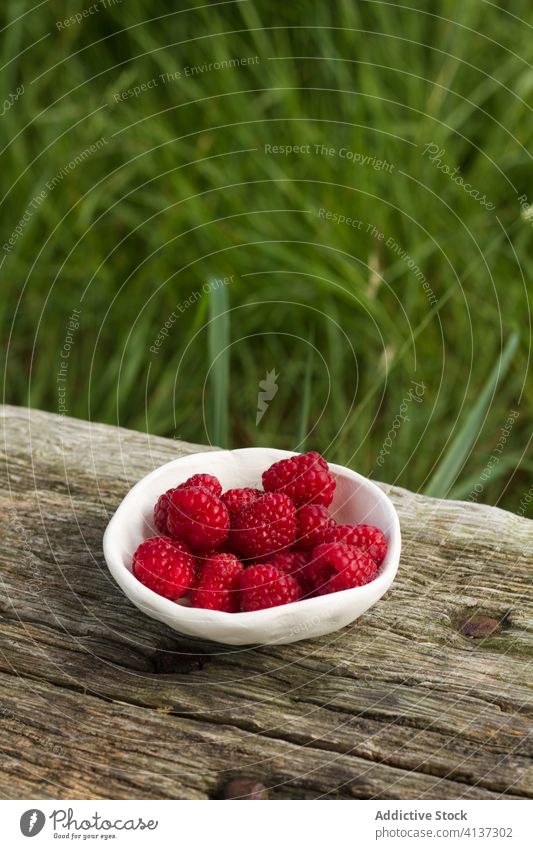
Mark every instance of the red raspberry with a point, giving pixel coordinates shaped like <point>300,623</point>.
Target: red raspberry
<point>314,576</point>
<point>366,537</point>
<point>265,527</point>
<point>350,567</point>
<point>314,522</point>
<point>161,511</point>
<point>164,566</point>
<point>201,558</point>
<point>265,586</point>
<point>290,562</point>
<point>198,518</point>
<point>209,482</point>
<point>236,499</point>
<point>218,585</point>
<point>305,478</point>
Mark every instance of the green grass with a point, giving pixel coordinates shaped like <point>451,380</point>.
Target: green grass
<point>219,389</point>
<point>182,191</point>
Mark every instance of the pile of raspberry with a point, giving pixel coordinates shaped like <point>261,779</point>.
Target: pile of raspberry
<point>249,549</point>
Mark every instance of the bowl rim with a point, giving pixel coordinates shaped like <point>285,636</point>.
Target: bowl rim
<point>185,613</point>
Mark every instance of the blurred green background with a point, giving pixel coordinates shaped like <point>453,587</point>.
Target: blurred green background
<point>138,166</point>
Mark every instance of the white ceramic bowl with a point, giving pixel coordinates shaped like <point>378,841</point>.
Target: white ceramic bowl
<point>357,500</point>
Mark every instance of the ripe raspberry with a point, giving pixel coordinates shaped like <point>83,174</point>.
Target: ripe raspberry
<point>305,478</point>
<point>265,586</point>
<point>161,511</point>
<point>350,567</point>
<point>209,482</point>
<point>218,585</point>
<point>290,562</point>
<point>314,576</point>
<point>313,525</point>
<point>265,527</point>
<point>164,566</point>
<point>236,499</point>
<point>200,559</point>
<point>198,518</point>
<point>366,537</point>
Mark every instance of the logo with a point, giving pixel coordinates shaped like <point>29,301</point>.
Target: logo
<point>267,390</point>
<point>32,822</point>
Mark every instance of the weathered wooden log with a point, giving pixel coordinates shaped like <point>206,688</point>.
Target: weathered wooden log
<point>427,696</point>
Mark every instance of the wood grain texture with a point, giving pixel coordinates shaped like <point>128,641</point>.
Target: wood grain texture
<point>427,696</point>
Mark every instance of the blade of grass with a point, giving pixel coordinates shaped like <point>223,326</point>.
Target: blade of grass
<point>467,487</point>
<point>451,464</point>
<point>219,352</point>
<point>306,396</point>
